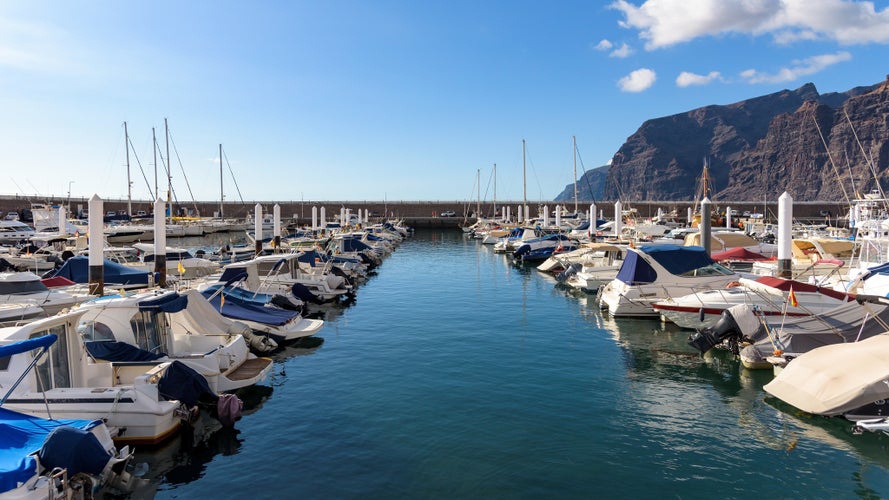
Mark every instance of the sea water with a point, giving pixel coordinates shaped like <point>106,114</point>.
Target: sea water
<point>457,374</point>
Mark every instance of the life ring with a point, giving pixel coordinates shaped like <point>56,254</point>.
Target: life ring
<point>733,284</point>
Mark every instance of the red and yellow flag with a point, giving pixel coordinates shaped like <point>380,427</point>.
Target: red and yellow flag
<point>792,298</point>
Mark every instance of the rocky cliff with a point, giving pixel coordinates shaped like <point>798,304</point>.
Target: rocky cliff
<point>759,148</point>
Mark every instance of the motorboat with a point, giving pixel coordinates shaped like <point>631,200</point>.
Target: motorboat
<point>278,273</point>
<point>596,268</point>
<point>13,232</point>
<point>847,379</point>
<point>181,326</point>
<point>542,248</point>
<point>770,344</point>
<point>26,287</point>
<point>258,311</point>
<point>71,383</point>
<point>772,296</point>
<point>179,261</point>
<point>652,273</point>
<point>53,458</point>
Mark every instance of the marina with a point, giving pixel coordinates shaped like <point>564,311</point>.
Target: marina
<point>457,373</point>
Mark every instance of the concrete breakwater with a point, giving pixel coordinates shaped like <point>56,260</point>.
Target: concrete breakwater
<point>421,213</point>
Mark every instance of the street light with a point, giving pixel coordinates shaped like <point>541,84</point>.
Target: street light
<point>69,196</point>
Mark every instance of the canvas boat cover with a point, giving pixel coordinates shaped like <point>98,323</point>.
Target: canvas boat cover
<point>119,351</point>
<point>739,254</point>
<point>76,269</point>
<point>835,379</point>
<point>839,325</point>
<point>677,260</point>
<point>183,384</point>
<point>238,309</point>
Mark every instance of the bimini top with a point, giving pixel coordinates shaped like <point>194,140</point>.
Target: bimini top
<point>76,269</point>
<point>677,260</point>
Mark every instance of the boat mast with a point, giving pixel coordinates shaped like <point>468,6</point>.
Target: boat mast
<point>524,183</point>
<point>495,190</point>
<point>574,142</point>
<point>126,135</point>
<point>478,187</point>
<point>169,174</point>
<point>154,145</point>
<point>221,192</point>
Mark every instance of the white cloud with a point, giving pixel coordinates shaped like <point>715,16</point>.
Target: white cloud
<point>637,81</point>
<point>623,51</point>
<point>662,23</point>
<point>604,45</point>
<point>687,79</point>
<point>797,69</point>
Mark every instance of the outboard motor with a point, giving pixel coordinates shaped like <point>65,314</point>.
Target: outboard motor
<point>735,324</point>
<point>567,273</point>
<point>521,251</point>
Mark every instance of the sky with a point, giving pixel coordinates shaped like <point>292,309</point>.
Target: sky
<point>387,99</point>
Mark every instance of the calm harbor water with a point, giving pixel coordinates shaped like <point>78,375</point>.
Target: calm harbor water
<point>455,374</point>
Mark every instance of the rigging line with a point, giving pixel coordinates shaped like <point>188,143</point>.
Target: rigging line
<point>238,189</point>
<point>851,177</point>
<point>141,169</point>
<point>182,168</point>
<point>534,171</point>
<point>587,179</point>
<point>830,157</point>
<point>869,161</point>
<point>166,165</point>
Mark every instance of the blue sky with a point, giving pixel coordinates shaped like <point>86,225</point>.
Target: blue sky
<point>396,100</point>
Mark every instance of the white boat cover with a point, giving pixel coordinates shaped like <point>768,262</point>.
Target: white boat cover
<point>835,379</point>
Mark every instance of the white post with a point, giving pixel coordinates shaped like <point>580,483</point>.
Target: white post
<point>276,213</point>
<point>546,216</point>
<point>785,222</point>
<point>618,219</point>
<point>160,241</point>
<point>366,216</point>
<point>593,216</point>
<point>559,216</point>
<point>728,216</point>
<point>660,214</point>
<point>689,217</point>
<point>314,218</point>
<point>706,241</point>
<point>527,213</point>
<point>96,273</point>
<point>322,223</point>
<point>63,222</point>
<point>257,228</point>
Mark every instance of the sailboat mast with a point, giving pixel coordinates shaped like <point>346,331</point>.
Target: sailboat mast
<point>574,142</point>
<point>495,190</point>
<point>524,179</point>
<point>221,191</point>
<point>169,174</point>
<point>154,146</point>
<point>126,135</point>
<point>478,196</point>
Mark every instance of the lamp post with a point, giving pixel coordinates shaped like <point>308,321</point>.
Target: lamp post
<point>69,196</point>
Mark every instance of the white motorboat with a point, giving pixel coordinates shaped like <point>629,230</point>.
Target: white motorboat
<point>180,262</point>
<point>597,268</point>
<point>70,383</point>
<point>26,287</point>
<point>167,322</point>
<point>14,231</point>
<point>653,273</point>
<point>772,296</point>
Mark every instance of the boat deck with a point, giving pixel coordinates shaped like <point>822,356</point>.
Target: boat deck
<point>250,369</point>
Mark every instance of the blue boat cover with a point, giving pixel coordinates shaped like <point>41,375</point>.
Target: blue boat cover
<point>257,298</point>
<point>182,383</point>
<point>76,269</point>
<point>635,271</point>
<point>20,436</point>
<point>239,309</point>
<point>77,450</point>
<point>119,351</point>
<point>233,274</point>
<point>168,303</point>
<point>27,345</point>
<point>678,259</point>
<point>354,245</point>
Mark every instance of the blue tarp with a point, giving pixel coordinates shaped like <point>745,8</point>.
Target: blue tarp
<point>183,384</point>
<point>21,435</point>
<point>77,450</point>
<point>119,351</point>
<point>678,259</point>
<point>635,270</point>
<point>238,309</point>
<point>76,269</point>
<point>168,303</point>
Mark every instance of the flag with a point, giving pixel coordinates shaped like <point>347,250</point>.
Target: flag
<point>221,300</point>
<point>181,268</point>
<point>792,298</point>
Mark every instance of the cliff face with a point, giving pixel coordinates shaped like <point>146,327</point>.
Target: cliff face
<point>759,148</point>
<point>590,186</point>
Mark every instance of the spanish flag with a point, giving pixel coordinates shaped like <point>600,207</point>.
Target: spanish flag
<point>792,298</point>
<point>221,300</point>
<point>181,268</point>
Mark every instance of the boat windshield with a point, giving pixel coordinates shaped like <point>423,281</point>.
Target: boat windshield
<point>713,269</point>
<point>19,287</point>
